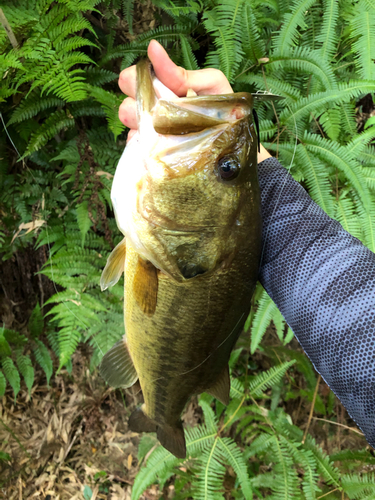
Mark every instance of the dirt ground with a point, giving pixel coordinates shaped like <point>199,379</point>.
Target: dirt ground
<point>70,440</point>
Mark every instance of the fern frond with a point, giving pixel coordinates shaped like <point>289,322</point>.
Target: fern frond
<point>266,379</point>
<point>224,23</point>
<point>56,122</point>
<point>288,34</point>
<point>307,460</point>
<point>345,214</point>
<point>232,453</point>
<point>110,103</point>
<point>316,176</point>
<point>328,34</point>
<point>338,157</point>
<point>285,483</point>
<point>3,384</point>
<point>12,375</point>
<point>159,461</point>
<point>263,316</point>
<point>252,43</point>
<point>363,32</point>
<point>356,486</point>
<point>316,102</point>
<point>26,370</point>
<point>210,474</point>
<point>272,85</point>
<point>325,466</point>
<point>44,359</point>
<point>308,61</point>
<point>188,57</point>
<point>210,419</point>
<point>32,106</point>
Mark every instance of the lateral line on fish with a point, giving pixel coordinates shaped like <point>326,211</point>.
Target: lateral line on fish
<point>200,364</point>
<point>278,199</point>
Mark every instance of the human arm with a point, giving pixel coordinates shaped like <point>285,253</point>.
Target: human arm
<point>322,279</point>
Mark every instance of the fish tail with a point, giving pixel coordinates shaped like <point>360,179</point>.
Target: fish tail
<point>140,422</point>
<point>173,439</point>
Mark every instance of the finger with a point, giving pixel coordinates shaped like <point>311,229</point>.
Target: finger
<point>128,113</point>
<point>127,81</point>
<point>179,80</point>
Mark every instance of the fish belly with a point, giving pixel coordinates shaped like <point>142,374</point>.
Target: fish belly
<point>184,346</point>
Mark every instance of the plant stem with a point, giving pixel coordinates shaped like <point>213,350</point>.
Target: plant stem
<point>312,409</point>
<point>8,29</point>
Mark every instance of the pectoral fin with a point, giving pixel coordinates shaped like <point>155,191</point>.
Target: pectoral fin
<point>221,388</point>
<point>145,286</point>
<point>114,267</point>
<point>117,367</point>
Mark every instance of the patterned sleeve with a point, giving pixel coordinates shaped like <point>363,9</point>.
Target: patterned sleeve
<point>323,281</point>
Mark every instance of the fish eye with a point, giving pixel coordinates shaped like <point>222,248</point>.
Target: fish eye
<point>228,168</point>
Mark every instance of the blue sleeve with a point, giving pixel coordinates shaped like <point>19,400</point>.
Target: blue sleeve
<point>323,281</point>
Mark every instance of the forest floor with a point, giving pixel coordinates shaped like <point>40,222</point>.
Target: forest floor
<point>71,441</point>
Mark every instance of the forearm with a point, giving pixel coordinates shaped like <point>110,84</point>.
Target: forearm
<point>323,281</point>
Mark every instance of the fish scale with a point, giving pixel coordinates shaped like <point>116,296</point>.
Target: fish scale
<point>186,198</point>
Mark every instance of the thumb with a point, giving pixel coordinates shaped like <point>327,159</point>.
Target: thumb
<point>179,80</point>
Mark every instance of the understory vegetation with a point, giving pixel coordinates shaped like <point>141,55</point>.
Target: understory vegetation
<point>60,143</point>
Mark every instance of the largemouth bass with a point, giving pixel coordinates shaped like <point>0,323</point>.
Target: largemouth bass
<point>186,197</point>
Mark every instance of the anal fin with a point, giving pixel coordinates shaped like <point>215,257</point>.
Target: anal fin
<point>173,439</point>
<point>117,367</point>
<point>145,286</point>
<point>221,389</point>
<point>114,267</point>
<point>140,422</point>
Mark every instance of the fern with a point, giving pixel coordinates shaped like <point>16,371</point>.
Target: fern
<point>26,370</point>
<point>12,375</point>
<point>291,22</point>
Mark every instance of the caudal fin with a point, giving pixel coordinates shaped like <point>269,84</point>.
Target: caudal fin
<point>173,439</point>
<point>140,422</point>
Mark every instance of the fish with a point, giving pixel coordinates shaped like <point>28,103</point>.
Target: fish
<point>186,198</point>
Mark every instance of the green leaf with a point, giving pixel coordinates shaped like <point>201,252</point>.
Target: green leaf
<point>4,346</point>
<point>266,379</point>
<point>3,384</point>
<point>263,316</point>
<point>83,219</point>
<point>44,359</point>
<point>233,454</point>
<point>87,492</point>
<point>26,369</point>
<point>4,456</point>
<point>12,375</point>
<point>36,322</point>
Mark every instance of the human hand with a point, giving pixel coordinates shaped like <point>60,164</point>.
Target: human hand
<point>208,81</point>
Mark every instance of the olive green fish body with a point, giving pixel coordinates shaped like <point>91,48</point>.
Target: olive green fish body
<point>186,197</point>
<point>185,345</point>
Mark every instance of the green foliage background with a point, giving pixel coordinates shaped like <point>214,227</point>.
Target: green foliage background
<point>59,100</point>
